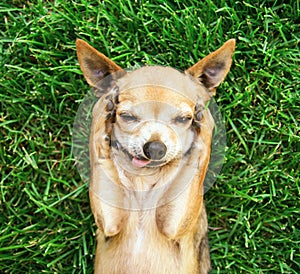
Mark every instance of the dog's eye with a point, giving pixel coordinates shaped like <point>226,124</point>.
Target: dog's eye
<point>128,117</point>
<point>183,119</point>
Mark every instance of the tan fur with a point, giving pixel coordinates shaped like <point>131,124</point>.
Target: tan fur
<point>154,221</point>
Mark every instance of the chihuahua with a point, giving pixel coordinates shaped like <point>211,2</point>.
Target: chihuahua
<point>150,144</point>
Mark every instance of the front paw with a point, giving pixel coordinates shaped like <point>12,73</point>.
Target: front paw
<point>172,221</point>
<point>111,101</point>
<point>198,116</point>
<point>109,219</point>
<point>103,119</point>
<point>165,227</point>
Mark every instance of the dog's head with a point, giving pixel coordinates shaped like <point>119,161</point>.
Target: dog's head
<point>154,116</point>
<point>156,111</point>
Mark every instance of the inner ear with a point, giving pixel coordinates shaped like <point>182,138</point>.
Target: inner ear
<point>212,74</point>
<point>212,69</point>
<point>96,66</point>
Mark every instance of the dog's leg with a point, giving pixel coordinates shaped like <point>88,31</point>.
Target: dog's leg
<point>184,218</point>
<point>177,217</point>
<point>105,191</point>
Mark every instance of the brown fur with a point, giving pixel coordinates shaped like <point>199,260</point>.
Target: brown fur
<point>168,235</point>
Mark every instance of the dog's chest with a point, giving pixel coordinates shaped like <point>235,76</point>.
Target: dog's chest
<point>140,230</point>
<point>135,249</point>
<point>141,235</point>
<point>139,241</point>
<point>141,192</point>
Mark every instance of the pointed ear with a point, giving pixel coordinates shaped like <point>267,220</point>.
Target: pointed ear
<point>212,69</point>
<point>94,65</point>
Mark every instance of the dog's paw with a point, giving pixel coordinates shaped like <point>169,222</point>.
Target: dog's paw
<point>198,116</point>
<point>167,229</point>
<point>109,219</point>
<point>111,101</point>
<point>103,118</point>
<point>103,147</point>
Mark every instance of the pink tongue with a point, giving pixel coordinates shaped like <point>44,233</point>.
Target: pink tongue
<point>139,163</point>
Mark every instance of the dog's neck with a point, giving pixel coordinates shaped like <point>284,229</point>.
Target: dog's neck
<point>144,187</point>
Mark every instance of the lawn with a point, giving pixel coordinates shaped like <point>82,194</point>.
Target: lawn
<point>254,206</point>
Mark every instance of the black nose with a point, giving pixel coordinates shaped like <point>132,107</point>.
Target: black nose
<point>155,150</point>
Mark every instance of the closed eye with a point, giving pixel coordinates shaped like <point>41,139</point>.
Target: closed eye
<point>128,117</point>
<point>183,119</point>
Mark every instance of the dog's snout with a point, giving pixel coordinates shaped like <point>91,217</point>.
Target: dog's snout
<point>155,150</point>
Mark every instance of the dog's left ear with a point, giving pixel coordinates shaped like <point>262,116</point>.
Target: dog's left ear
<point>96,66</point>
<point>212,69</point>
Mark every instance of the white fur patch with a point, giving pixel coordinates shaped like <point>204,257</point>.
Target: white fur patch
<point>138,243</point>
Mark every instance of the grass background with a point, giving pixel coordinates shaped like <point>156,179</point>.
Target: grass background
<point>45,219</point>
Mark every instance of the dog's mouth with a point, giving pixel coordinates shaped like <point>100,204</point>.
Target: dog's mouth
<point>137,160</point>
<point>143,162</point>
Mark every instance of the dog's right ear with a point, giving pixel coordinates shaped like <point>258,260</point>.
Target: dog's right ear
<point>96,66</point>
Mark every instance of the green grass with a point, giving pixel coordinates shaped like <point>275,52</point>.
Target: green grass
<point>254,207</point>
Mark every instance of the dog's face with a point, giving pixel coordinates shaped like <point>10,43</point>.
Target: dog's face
<point>154,119</point>
<point>153,125</point>
<point>156,107</point>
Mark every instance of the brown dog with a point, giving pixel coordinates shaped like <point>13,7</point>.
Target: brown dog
<point>149,148</point>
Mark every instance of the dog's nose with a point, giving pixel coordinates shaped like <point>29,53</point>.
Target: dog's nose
<point>155,150</point>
